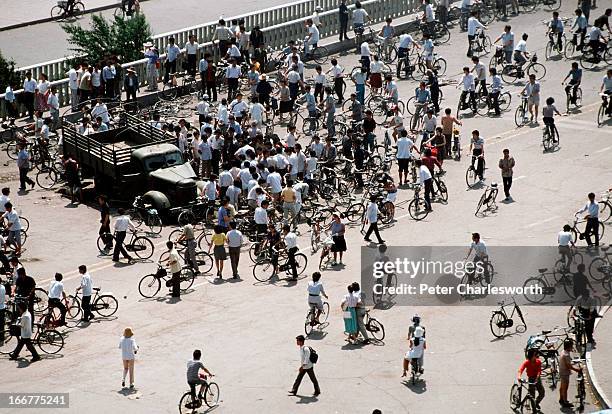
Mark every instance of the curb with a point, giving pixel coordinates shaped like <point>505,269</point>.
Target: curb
<point>50,19</point>
<point>603,399</point>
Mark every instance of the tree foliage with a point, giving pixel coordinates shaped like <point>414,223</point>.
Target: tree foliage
<point>7,73</point>
<point>120,36</point>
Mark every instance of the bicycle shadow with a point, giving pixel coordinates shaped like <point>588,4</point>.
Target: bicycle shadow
<point>419,388</point>
<point>491,212</point>
<point>508,335</point>
<point>319,334</point>
<point>384,304</point>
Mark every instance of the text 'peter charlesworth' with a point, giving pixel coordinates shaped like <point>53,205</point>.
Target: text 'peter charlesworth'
<point>461,289</point>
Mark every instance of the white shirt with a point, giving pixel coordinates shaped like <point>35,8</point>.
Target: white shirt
<point>2,295</point>
<point>257,111</point>
<point>405,41</point>
<point>26,325</point>
<point>53,101</point>
<point>13,218</point>
<point>314,33</point>
<point>86,284</point>
<point>417,351</point>
<point>191,48</point>
<point>55,290</point>
<point>480,249</point>
<point>468,82</point>
<point>290,240</point>
<point>233,71</point>
<point>595,33</point>
<point>123,223</point>
<point>564,238</point>
<point>336,71</point>
<point>202,108</point>
<point>73,79</point>
<point>481,72</point>
<point>128,348</point>
<point>3,200</point>
<point>521,46</point>
<point>260,216</point>
<point>592,209</point>
<point>365,49</point>
<point>473,24</point>
<point>274,181</point>
<point>237,108</point>
<point>225,179</point>
<point>234,238</point>
<point>100,110</point>
<point>210,190</point>
<point>372,213</point>
<point>29,85</point>
<point>359,16</point>
<point>430,123</point>
<point>429,13</point>
<point>424,174</point>
<point>305,357</point>
<point>222,115</point>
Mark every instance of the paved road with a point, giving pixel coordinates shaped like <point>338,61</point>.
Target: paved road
<point>21,44</point>
<point>246,329</point>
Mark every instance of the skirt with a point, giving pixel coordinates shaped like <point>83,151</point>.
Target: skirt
<point>375,80</point>
<point>339,244</point>
<point>350,324</point>
<point>220,253</point>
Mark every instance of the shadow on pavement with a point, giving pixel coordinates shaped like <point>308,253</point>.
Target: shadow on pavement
<point>419,388</point>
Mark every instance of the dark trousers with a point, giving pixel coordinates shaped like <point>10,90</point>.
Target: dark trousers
<point>573,88</point>
<point>86,307</point>
<point>592,225</point>
<point>234,254</point>
<point>109,88</point>
<point>479,164</point>
<point>507,184</point>
<point>57,303</point>
<point>2,322</point>
<point>191,64</point>
<point>311,375</point>
<point>292,263</point>
<point>232,88</point>
<point>28,101</point>
<point>176,285</point>
<point>170,68</point>
<point>537,386</point>
<point>494,102</point>
<point>483,87</point>
<point>443,14</point>
<point>105,230</point>
<point>28,344</point>
<point>343,29</point>
<point>130,94</point>
<point>119,238</point>
<point>582,33</point>
<point>589,326</point>
<point>472,99</point>
<point>429,192</point>
<point>211,90</point>
<point>448,146</point>
<point>373,228</point>
<point>318,91</point>
<point>23,178</point>
<point>470,41</point>
<point>338,86</point>
<point>435,98</point>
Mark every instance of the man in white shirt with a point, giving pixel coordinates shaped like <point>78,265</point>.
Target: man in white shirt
<point>472,31</point>
<point>29,89</point>
<point>56,294</point>
<point>25,339</point>
<point>360,17</point>
<point>371,217</point>
<point>100,109</point>
<point>4,198</point>
<point>312,38</point>
<point>468,88</point>
<point>481,255</point>
<point>191,48</point>
<point>232,75</point>
<point>520,53</point>
<point>53,104</point>
<point>592,218</point>
<point>426,182</point>
<point>565,240</point>
<point>274,180</point>
<point>306,367</point>
<point>234,242</point>
<point>238,107</point>
<point>261,217</point>
<point>13,225</point>
<point>87,287</point>
<point>122,224</point>
<point>290,239</point>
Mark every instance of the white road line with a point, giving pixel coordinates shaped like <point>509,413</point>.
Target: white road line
<point>603,150</point>
<point>520,177</point>
<point>537,223</point>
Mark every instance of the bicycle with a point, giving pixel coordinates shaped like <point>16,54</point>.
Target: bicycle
<point>605,206</point>
<point>374,326</point>
<point>311,320</point>
<point>550,138</point>
<point>439,33</point>
<point>418,208</point>
<point>142,213</point>
<point>520,116</point>
<point>104,304</point>
<point>326,255</point>
<point>500,320</point>
<point>580,384</point>
<point>49,341</point>
<point>317,53</point>
<point>589,60</point>
<point>170,90</point>
<point>478,272</point>
<point>536,288</point>
<point>511,72</point>
<point>415,370</point>
<point>569,98</point>
<point>602,116</point>
<point>484,104</point>
<point>141,246</point>
<point>63,11</point>
<point>481,45</point>
<point>263,269</point>
<point>600,267</point>
<point>518,403</point>
<point>211,398</point>
<point>487,200</point>
<point>151,284</point>
<point>49,176</point>
<point>582,236</point>
<point>52,319</point>
<point>552,46</point>
<point>471,174</point>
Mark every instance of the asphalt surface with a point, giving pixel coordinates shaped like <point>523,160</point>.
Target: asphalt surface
<point>29,45</point>
<point>246,329</point>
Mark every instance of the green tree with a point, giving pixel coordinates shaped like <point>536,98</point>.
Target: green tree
<point>122,37</point>
<point>7,73</point>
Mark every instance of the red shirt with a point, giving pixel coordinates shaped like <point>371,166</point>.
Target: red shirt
<point>534,369</point>
<point>429,162</point>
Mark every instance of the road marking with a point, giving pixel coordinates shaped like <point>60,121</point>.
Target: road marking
<point>603,150</point>
<point>537,223</point>
<point>520,177</point>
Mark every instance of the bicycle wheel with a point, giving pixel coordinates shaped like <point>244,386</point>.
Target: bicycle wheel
<point>443,191</point>
<point>205,262</point>
<point>153,221</point>
<point>101,242</point>
<point>504,101</point>
<point>605,211</point>
<point>552,5</point>
<point>417,209</point>
<point>262,271</point>
<point>50,341</point>
<point>309,323</point>
<point>471,178</point>
<point>9,343</point>
<point>149,285</point>
<point>186,279</point>
<point>440,66</point>
<point>548,52</point>
<point>376,329</point>
<point>46,178</point>
<point>320,54</point>
<point>480,203</point>
<point>515,397</point>
<point>531,286</point>
<point>599,269</point>
<point>301,262</point>
<point>12,150</point>
<point>142,247</point>
<point>568,285</point>
<point>528,5</point>
<point>185,217</point>
<point>519,116</point>
<point>78,9</point>
<point>547,140</point>
<point>73,310</point>
<point>387,212</point>
<point>211,394</point>
<point>482,106</point>
<point>325,314</point>
<point>509,74</point>
<point>601,115</point>
<point>106,305</point>
<point>355,212</point>
<point>498,324</point>
<point>41,300</point>
<point>57,12</point>
<point>569,51</point>
<point>187,405</point>
<point>442,33</point>
<point>538,70</point>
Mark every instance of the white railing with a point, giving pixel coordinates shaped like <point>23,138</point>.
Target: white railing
<point>276,36</point>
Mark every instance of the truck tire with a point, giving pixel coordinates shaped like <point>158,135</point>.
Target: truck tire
<point>158,200</point>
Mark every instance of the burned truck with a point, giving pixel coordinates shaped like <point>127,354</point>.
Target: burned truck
<point>134,159</point>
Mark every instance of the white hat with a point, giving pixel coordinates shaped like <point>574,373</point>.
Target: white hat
<point>418,332</point>
<point>147,44</point>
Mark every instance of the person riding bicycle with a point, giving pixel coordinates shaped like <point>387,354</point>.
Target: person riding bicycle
<point>429,18</point>
<point>405,43</point>
<point>418,346</point>
<point>597,42</point>
<point>548,113</point>
<point>468,88</point>
<point>581,24</point>
<point>481,255</point>
<point>387,33</point>
<point>496,87</point>
<point>533,366</point>
<point>473,25</point>
<point>194,378</point>
<point>521,55</point>
<point>532,92</point>
<point>56,294</point>
<point>416,322</point>
<point>315,291</point>
<point>477,150</point>
<point>391,90</point>
<point>422,97</point>
<point>481,75</point>
<point>312,38</point>
<point>576,77</point>
<point>507,39</point>
<point>606,88</point>
<point>555,27</point>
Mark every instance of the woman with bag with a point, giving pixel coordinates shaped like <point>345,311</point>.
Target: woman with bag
<point>348,313</point>
<point>129,348</point>
<point>337,229</point>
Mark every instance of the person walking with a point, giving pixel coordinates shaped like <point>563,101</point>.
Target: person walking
<point>371,217</point>
<point>360,312</point>
<point>592,219</point>
<point>25,337</point>
<point>23,163</point>
<point>235,239</point>
<point>122,224</point>
<point>174,264</point>
<point>56,294</point>
<point>218,241</point>
<point>349,315</point>
<point>337,229</point>
<point>129,349</point>
<point>565,370</point>
<point>13,226</point>
<point>104,230</point>
<point>343,17</point>
<point>506,164</point>
<point>306,367</point>
<point>533,366</point>
<point>87,287</point>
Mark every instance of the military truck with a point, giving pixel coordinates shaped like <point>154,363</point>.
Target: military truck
<point>132,159</point>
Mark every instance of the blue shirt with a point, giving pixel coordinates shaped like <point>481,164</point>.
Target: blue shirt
<point>220,215</point>
<point>576,74</point>
<point>387,31</point>
<point>428,46</point>
<point>496,83</point>
<point>236,126</point>
<point>9,95</point>
<point>311,104</point>
<point>108,72</point>
<point>581,22</point>
<point>422,95</point>
<point>556,25</point>
<point>172,51</point>
<point>203,65</point>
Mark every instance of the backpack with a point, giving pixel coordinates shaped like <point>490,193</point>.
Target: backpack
<point>314,357</point>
